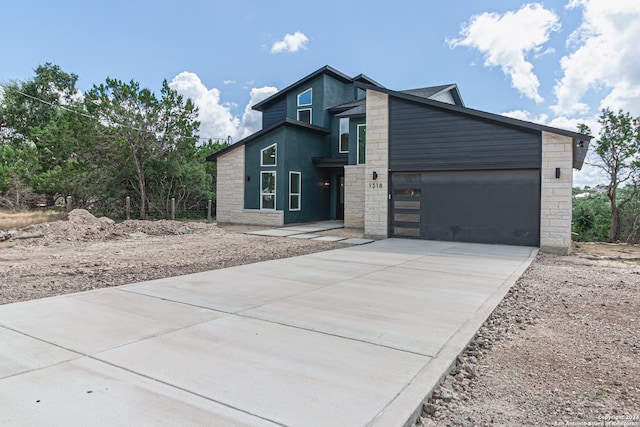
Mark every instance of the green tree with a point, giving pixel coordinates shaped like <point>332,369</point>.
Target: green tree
<point>591,218</point>
<point>141,131</point>
<point>617,149</point>
<point>27,109</point>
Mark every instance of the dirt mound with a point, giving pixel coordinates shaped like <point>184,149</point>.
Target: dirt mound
<point>82,226</point>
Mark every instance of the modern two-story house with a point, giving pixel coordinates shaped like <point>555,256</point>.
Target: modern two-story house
<point>413,163</point>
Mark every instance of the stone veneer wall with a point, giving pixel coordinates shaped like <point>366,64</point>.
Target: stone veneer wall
<point>230,186</point>
<point>555,193</point>
<point>230,194</point>
<point>376,192</point>
<point>354,196</point>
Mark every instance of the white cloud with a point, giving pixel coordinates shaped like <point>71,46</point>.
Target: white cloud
<point>216,118</point>
<point>251,119</point>
<point>607,57</point>
<point>589,174</point>
<point>290,43</point>
<point>506,41</point>
<point>229,82</point>
<point>527,116</point>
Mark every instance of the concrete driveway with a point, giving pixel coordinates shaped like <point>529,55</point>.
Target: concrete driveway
<point>349,337</point>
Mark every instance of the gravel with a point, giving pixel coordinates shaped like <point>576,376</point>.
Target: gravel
<point>562,348</point>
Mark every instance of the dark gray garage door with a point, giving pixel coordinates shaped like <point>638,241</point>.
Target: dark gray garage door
<point>490,206</point>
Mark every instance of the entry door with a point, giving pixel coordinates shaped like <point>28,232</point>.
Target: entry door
<point>340,197</point>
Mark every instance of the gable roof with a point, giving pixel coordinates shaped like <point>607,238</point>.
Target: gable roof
<point>285,122</point>
<point>432,91</point>
<point>358,107</point>
<point>360,78</point>
<point>579,148</point>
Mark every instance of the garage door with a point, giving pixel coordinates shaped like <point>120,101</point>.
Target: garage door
<point>501,207</point>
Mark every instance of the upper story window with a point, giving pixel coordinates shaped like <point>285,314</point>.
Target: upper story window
<point>304,115</point>
<point>268,156</point>
<point>305,98</point>
<point>362,144</point>
<point>343,143</point>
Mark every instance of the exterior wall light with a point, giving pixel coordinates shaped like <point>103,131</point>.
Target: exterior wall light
<point>326,184</point>
<point>557,173</point>
<point>248,178</point>
<point>375,175</point>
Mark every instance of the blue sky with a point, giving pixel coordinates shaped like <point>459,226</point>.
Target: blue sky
<point>552,62</point>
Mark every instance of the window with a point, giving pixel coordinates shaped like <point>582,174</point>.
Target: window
<point>362,144</point>
<point>304,115</point>
<point>268,156</point>
<point>268,190</point>
<point>343,144</point>
<point>305,98</point>
<point>295,183</point>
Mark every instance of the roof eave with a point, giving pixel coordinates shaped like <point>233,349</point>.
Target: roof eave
<point>480,114</point>
<point>286,122</point>
<point>326,69</point>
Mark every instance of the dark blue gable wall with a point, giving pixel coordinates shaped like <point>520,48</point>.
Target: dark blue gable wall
<point>252,168</point>
<point>295,151</point>
<point>301,147</point>
<point>424,138</point>
<point>275,113</point>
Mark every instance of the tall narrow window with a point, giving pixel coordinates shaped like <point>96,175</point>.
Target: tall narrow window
<point>362,144</point>
<point>268,190</point>
<point>304,115</point>
<point>344,136</point>
<point>268,156</point>
<point>295,184</point>
<point>305,98</point>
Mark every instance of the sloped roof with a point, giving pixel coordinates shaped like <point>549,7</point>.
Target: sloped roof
<point>426,92</point>
<point>579,149</point>
<point>432,91</point>
<point>350,109</point>
<point>358,108</point>
<point>284,122</point>
<point>360,78</point>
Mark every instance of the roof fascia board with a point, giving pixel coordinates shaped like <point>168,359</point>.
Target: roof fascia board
<point>455,93</point>
<point>324,70</point>
<point>286,122</point>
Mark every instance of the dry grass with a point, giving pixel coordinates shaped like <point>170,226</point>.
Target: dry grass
<point>10,220</point>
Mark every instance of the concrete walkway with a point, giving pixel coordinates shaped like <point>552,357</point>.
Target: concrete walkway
<point>349,337</point>
<point>308,230</point>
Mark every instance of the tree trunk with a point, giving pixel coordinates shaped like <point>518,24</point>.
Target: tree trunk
<point>141,187</point>
<point>614,230</point>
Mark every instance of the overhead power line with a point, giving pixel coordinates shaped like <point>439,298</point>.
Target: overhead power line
<point>88,116</point>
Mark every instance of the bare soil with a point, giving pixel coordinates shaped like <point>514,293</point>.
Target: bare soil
<point>85,252</point>
<point>562,348</point>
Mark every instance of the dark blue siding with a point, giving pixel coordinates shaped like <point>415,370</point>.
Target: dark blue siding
<point>424,138</point>
<point>275,113</point>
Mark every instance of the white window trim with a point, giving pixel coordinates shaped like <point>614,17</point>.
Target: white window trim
<point>275,159</point>
<point>310,110</point>
<point>340,135</point>
<point>299,193</point>
<point>302,93</point>
<point>358,145</point>
<point>275,189</point>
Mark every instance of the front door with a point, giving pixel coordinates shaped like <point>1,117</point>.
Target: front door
<point>340,197</point>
